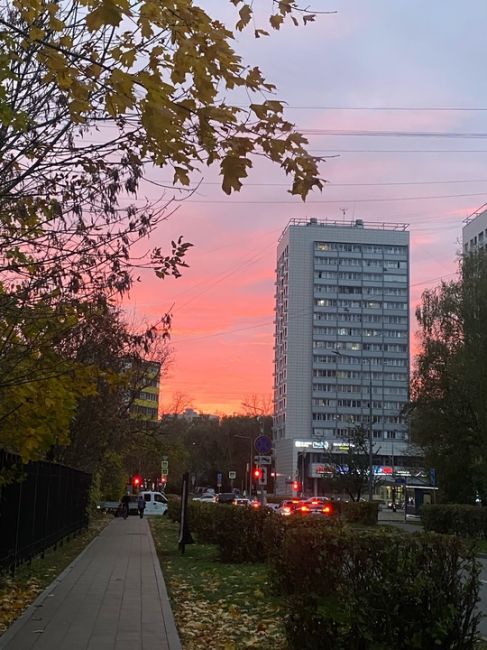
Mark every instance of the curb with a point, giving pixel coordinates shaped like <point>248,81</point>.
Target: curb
<point>174,643</point>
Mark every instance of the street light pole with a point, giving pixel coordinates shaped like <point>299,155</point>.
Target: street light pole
<point>371,481</point>
<point>251,459</point>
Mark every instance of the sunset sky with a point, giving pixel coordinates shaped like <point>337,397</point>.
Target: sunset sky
<point>381,55</point>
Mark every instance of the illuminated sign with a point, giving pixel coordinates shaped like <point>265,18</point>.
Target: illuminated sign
<point>312,444</point>
<point>318,470</point>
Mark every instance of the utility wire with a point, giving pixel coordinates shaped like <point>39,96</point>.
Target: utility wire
<point>334,201</point>
<point>292,316</point>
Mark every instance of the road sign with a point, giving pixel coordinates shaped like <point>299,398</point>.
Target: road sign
<point>263,476</point>
<point>219,478</point>
<point>164,467</point>
<point>263,445</point>
<point>263,460</point>
<point>232,475</point>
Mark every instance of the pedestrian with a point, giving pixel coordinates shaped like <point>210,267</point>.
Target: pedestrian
<point>141,505</point>
<point>125,505</point>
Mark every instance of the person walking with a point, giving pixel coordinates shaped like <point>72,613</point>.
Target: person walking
<point>141,505</point>
<point>125,506</point>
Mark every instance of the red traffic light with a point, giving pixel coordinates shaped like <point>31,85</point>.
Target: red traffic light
<point>137,480</point>
<point>296,486</point>
<point>257,473</point>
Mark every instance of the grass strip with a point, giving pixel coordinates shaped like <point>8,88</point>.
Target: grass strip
<point>217,605</point>
<point>18,591</point>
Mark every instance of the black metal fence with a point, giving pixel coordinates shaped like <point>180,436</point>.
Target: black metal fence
<point>43,504</point>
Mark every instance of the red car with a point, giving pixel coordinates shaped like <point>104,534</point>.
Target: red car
<point>317,506</point>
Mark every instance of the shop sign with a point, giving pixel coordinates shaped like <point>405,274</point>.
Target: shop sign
<point>318,470</point>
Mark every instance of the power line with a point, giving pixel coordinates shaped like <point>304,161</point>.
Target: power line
<point>334,201</point>
<point>331,184</point>
<point>340,151</point>
<point>293,316</point>
<point>466,109</point>
<point>395,134</point>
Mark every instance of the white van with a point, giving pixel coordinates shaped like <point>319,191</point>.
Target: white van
<point>155,503</point>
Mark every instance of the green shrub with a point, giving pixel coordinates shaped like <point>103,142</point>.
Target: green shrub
<point>174,507</point>
<point>455,519</point>
<point>359,512</point>
<point>377,590</point>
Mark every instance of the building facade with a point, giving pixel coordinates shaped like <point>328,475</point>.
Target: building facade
<point>146,376</point>
<point>341,345</point>
<point>474,232</point>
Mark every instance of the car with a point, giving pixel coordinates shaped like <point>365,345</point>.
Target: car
<point>317,506</point>
<point>155,503</point>
<point>241,501</point>
<point>288,506</point>
<point>225,497</point>
<point>205,498</point>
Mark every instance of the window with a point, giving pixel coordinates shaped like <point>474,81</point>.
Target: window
<point>389,277</point>
<point>348,331</point>
<point>325,302</point>
<point>389,264</point>
<point>369,332</point>
<point>372,304</point>
<point>323,402</point>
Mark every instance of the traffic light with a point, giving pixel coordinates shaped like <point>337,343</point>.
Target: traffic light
<point>257,473</point>
<point>296,486</point>
<point>136,481</point>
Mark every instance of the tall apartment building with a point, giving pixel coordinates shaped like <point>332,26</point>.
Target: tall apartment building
<point>474,232</point>
<point>341,345</point>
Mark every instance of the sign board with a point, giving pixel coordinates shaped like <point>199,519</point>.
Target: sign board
<point>263,460</point>
<point>263,445</point>
<point>232,475</point>
<point>263,476</point>
<point>318,470</point>
<point>164,467</point>
<point>219,477</point>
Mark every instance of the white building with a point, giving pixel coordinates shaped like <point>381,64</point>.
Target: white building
<point>474,232</point>
<point>341,344</point>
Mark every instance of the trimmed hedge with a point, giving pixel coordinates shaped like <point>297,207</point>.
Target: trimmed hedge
<point>358,512</point>
<point>376,590</point>
<point>455,519</point>
<point>246,534</point>
<point>173,507</point>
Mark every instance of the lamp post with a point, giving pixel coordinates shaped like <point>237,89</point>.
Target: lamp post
<point>251,459</point>
<point>370,480</point>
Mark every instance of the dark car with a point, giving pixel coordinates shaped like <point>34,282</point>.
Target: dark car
<point>225,497</point>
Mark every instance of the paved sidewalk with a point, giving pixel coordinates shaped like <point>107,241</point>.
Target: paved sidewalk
<point>112,596</point>
<point>389,518</point>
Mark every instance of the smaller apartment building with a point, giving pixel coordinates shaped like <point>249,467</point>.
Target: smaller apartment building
<point>145,396</point>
